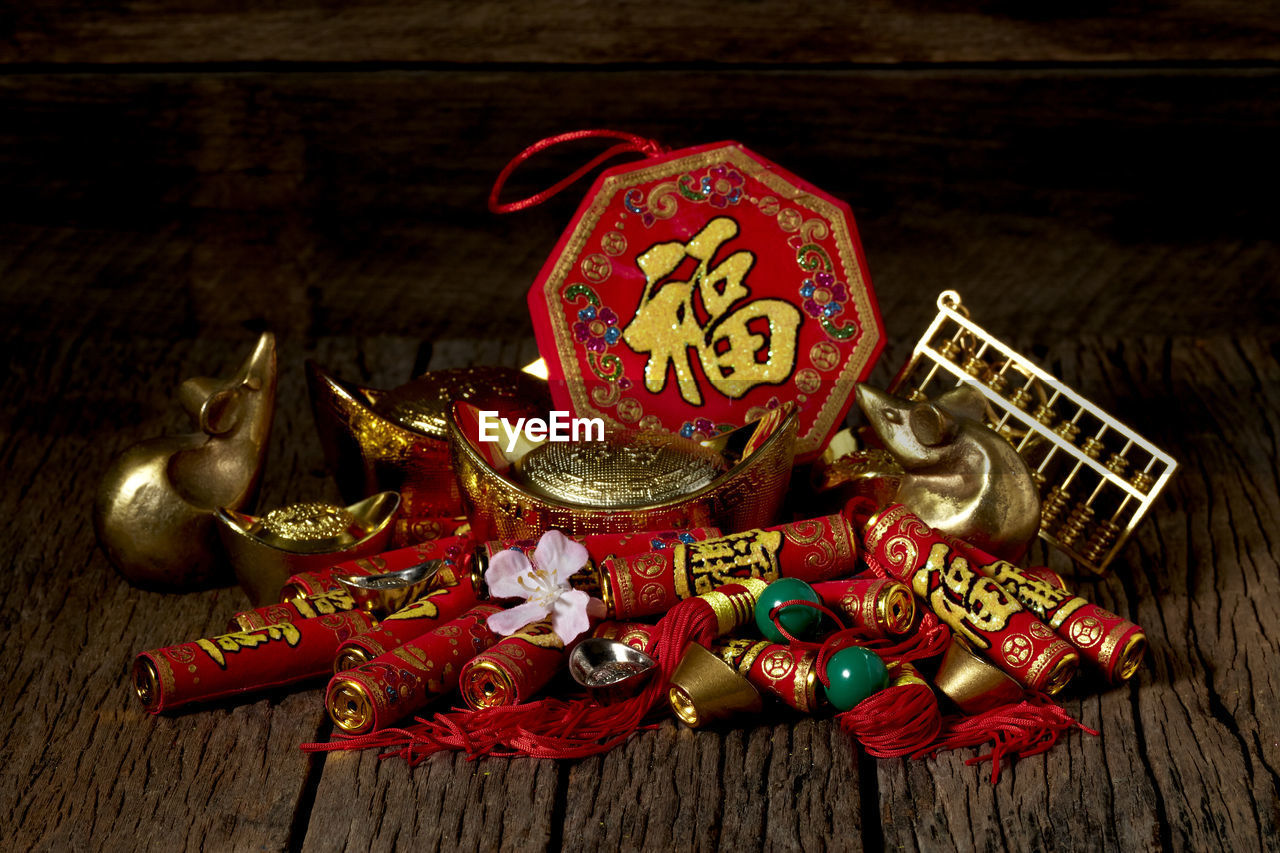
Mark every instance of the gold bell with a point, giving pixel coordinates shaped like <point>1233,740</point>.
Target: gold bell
<point>971,682</point>
<point>705,688</point>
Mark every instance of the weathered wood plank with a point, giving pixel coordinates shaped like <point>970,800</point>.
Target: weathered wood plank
<point>1186,753</point>
<point>319,204</point>
<point>790,785</point>
<point>633,32</point>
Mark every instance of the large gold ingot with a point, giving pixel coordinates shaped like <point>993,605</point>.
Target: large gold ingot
<point>396,440</point>
<point>266,551</point>
<point>747,494</point>
<point>154,508</point>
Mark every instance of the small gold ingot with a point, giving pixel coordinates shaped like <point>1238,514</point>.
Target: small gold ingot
<point>705,688</point>
<point>973,683</point>
<point>350,707</point>
<point>155,506</point>
<point>304,537</point>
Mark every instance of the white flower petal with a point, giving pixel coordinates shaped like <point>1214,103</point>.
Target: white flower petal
<point>559,556</point>
<point>507,622</point>
<point>506,568</point>
<point>569,617</point>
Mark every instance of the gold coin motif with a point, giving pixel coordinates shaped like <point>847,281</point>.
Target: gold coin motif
<point>596,268</point>
<point>777,664</point>
<point>808,380</point>
<point>630,410</point>
<point>613,243</point>
<point>789,220</point>
<point>1017,649</point>
<point>824,355</point>
<point>1085,632</point>
<point>1041,631</point>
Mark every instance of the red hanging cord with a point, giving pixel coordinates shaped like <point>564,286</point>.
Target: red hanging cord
<point>631,144</point>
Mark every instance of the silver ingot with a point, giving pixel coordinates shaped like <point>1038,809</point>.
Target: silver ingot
<point>610,670</point>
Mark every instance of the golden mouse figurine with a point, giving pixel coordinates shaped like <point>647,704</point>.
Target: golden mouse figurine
<point>154,509</point>
<point>957,474</point>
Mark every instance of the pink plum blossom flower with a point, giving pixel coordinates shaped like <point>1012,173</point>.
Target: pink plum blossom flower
<point>544,586</point>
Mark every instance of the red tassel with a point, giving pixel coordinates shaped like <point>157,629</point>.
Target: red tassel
<point>548,728</point>
<point>897,721</point>
<point>1021,730</point>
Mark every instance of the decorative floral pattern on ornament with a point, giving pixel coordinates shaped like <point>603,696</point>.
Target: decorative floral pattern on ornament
<point>596,330</point>
<point>720,187</point>
<point>824,296</point>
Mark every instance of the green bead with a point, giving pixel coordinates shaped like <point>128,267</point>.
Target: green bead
<point>855,673</point>
<point>797,618</point>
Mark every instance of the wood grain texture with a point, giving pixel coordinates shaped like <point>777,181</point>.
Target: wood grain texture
<point>327,204</point>
<point>576,31</point>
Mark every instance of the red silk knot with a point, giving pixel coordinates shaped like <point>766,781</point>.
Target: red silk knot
<point>630,144</point>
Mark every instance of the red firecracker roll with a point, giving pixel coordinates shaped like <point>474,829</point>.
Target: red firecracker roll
<point>975,607</point>
<point>1110,642</point>
<point>1113,644</point>
<point>513,670</point>
<point>452,594</point>
<point>242,661</point>
<point>411,529</point>
<point>650,583</point>
<point>394,685</point>
<point>880,606</point>
<point>454,550</point>
<point>789,675</point>
<point>308,607</point>
<point>637,635</point>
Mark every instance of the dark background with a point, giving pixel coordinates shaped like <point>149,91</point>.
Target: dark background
<point>1098,181</point>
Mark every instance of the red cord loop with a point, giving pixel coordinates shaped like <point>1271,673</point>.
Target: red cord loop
<point>631,144</point>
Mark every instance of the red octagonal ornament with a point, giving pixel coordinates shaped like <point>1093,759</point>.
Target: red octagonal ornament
<point>697,289</point>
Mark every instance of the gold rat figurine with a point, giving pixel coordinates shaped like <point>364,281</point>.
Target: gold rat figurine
<point>957,474</point>
<point>155,506</point>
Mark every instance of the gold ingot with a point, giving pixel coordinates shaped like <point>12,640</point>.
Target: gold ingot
<point>612,477</point>
<point>974,684</point>
<point>155,506</point>
<point>396,440</point>
<point>705,688</point>
<point>302,538</point>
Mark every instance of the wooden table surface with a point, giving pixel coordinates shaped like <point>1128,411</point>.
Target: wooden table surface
<point>175,177</point>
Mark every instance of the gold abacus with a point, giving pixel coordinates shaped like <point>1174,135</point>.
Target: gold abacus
<point>1063,437</point>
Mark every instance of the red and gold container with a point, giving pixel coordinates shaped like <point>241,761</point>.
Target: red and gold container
<point>514,669</point>
<point>879,606</point>
<point>454,550</point>
<point>977,608</point>
<point>394,685</point>
<point>242,661</point>
<point>308,607</point>
<point>1113,644</point>
<point>651,582</point>
<point>452,594</point>
<point>789,675</point>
